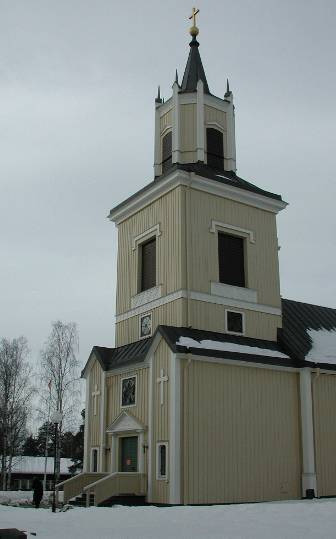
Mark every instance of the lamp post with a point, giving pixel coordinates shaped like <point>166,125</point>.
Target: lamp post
<point>56,418</point>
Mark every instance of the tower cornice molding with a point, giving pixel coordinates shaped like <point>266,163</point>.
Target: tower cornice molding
<point>180,177</point>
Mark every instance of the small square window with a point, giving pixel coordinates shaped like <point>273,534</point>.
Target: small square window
<point>234,322</point>
<point>161,460</point>
<point>128,391</point>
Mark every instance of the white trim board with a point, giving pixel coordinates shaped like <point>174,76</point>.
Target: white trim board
<point>218,225</point>
<point>140,238</point>
<point>199,296</point>
<point>175,431</point>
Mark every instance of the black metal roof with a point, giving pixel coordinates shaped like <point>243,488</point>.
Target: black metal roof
<point>297,318</point>
<point>111,358</point>
<point>293,341</point>
<point>194,70</point>
<point>224,176</point>
<point>173,334</point>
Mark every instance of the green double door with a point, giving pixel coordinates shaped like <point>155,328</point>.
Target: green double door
<point>129,454</point>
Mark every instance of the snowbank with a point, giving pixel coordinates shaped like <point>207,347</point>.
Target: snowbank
<point>278,520</point>
<point>323,348</point>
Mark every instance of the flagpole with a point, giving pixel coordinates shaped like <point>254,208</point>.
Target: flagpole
<point>46,442</point>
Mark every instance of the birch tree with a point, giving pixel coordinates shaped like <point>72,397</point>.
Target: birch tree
<point>15,397</point>
<point>59,372</point>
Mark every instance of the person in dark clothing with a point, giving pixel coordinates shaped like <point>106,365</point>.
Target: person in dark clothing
<point>38,492</point>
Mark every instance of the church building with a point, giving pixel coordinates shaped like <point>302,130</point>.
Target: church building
<point>217,390</point>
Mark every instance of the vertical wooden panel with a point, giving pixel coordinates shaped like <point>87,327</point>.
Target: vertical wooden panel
<point>324,397</point>
<point>94,421</point>
<point>163,212</point>
<point>160,488</point>
<point>242,439</point>
<point>188,133</point>
<point>113,388</point>
<point>169,314</point>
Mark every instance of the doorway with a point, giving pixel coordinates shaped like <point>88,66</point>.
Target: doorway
<point>129,454</point>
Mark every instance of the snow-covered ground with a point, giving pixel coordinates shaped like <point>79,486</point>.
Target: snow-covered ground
<point>23,496</point>
<point>277,520</point>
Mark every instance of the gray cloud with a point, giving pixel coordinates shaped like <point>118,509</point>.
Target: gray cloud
<point>77,83</point>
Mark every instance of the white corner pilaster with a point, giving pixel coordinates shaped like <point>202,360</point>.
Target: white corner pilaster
<point>150,433</point>
<point>86,425</point>
<point>174,448</point>
<point>176,125</point>
<point>200,121</point>
<point>230,158</point>
<point>102,421</point>
<point>141,452</point>
<point>307,432</point>
<point>157,142</point>
<point>114,442</point>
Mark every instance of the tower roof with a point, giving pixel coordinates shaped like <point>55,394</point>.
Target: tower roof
<point>194,70</point>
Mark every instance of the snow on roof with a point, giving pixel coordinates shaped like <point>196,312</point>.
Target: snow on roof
<point>323,348</point>
<point>230,347</point>
<point>35,465</point>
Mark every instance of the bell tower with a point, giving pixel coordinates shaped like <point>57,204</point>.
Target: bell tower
<point>197,246</point>
<point>194,126</point>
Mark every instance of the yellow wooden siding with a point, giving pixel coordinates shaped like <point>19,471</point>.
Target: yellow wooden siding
<point>169,314</point>
<point>160,419</point>
<point>211,317</point>
<point>241,434</point>
<point>163,212</point>
<point>166,120</point>
<point>94,421</point>
<point>113,395</point>
<point>214,115</point>
<point>324,396</point>
<point>262,267</point>
<point>188,131</point>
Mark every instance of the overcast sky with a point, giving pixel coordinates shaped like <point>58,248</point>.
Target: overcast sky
<point>77,85</point>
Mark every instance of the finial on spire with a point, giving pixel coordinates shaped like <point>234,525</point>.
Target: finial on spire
<point>176,76</point>
<point>158,98</point>
<point>228,91</point>
<point>194,30</point>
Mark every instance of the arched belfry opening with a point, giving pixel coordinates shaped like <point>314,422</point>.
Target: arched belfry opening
<point>214,148</point>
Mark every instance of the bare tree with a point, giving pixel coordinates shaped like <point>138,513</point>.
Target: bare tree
<point>59,372</point>
<point>15,394</point>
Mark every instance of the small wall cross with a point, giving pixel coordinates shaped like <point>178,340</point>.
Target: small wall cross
<point>161,381</point>
<point>95,394</point>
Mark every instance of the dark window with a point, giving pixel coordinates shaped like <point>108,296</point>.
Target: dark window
<point>166,151</point>
<point>128,391</point>
<point>234,322</point>
<point>162,461</point>
<point>94,460</point>
<point>148,265</point>
<point>215,148</point>
<point>231,259</point>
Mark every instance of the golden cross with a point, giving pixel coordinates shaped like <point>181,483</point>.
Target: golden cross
<point>193,15</point>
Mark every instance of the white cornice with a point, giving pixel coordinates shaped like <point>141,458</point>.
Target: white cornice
<point>181,177</point>
<point>199,296</point>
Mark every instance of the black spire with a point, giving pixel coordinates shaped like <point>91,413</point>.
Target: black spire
<point>194,70</point>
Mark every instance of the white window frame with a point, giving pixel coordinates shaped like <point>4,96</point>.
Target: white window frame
<point>91,459</point>
<point>160,477</point>
<point>149,313</point>
<point>226,322</point>
<point>147,235</point>
<point>125,406</point>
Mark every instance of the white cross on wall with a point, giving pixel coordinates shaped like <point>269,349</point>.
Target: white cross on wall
<point>161,381</point>
<point>95,394</point>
